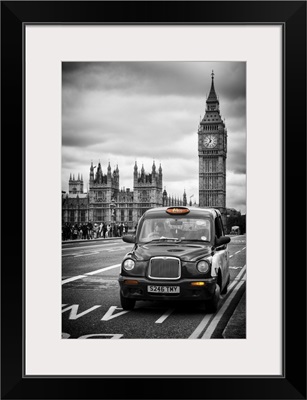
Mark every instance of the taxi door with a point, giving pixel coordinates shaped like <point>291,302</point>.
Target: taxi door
<point>221,256</point>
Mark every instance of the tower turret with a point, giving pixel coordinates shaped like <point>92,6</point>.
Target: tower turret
<point>153,169</point>
<point>212,100</point>
<point>184,200</point>
<point>75,186</point>
<point>91,173</point>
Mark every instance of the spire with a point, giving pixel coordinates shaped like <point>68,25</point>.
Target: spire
<point>212,98</point>
<point>153,167</point>
<point>70,177</point>
<point>160,169</point>
<point>184,200</point>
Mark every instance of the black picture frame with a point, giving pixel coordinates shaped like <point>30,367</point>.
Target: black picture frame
<point>292,16</point>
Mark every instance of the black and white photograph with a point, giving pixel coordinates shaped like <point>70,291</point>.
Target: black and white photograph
<point>154,200</point>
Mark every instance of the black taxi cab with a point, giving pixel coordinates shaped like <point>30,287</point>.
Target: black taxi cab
<point>179,253</point>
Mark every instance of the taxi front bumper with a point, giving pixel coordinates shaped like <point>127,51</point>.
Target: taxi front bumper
<point>139,291</point>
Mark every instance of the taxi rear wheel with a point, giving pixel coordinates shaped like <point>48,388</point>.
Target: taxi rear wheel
<point>127,304</point>
<point>212,304</point>
<point>224,291</point>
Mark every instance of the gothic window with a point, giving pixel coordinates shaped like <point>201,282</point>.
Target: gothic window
<point>82,216</point>
<point>98,215</point>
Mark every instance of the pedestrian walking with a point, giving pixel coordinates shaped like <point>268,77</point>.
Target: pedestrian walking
<point>89,230</point>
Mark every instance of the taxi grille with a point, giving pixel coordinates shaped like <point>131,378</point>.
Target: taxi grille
<point>164,268</point>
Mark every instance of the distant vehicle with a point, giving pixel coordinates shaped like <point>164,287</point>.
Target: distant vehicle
<point>235,230</point>
<point>179,253</point>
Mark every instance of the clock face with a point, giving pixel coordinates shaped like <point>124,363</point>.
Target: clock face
<point>210,141</point>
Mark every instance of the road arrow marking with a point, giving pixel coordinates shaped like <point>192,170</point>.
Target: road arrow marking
<point>106,335</point>
<point>74,311</point>
<point>109,314</point>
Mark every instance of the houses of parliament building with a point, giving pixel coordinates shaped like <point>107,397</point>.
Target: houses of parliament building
<point>105,202</point>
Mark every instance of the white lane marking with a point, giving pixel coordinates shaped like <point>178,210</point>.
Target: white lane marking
<point>96,252</point>
<point>74,311</point>
<point>87,254</point>
<point>93,245</point>
<point>237,252</point>
<point>102,269</point>
<point>231,256</point>
<point>65,335</point>
<point>239,276</point>
<point>63,305</point>
<point>118,249</point>
<point>235,267</point>
<point>211,328</point>
<point>97,271</point>
<point>164,316</point>
<point>109,314</point>
<point>73,278</point>
<point>244,248</point>
<point>202,325</point>
<point>107,335</point>
<point>206,320</point>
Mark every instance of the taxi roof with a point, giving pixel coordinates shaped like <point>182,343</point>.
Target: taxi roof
<point>195,211</point>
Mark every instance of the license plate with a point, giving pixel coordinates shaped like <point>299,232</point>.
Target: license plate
<point>163,289</point>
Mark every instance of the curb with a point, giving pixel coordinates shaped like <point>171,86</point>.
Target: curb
<point>91,240</point>
<point>236,326</point>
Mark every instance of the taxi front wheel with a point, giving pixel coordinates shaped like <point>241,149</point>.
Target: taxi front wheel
<point>212,304</point>
<point>127,304</point>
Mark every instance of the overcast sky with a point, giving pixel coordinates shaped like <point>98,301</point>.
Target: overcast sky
<point>124,112</point>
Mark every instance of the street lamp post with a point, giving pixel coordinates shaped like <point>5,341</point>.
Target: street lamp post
<point>112,207</point>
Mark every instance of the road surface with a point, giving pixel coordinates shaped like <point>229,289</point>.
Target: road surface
<point>91,306</point>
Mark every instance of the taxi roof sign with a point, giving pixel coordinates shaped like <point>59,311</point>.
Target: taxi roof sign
<point>177,210</point>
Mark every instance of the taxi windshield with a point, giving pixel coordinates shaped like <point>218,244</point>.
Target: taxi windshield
<point>175,229</point>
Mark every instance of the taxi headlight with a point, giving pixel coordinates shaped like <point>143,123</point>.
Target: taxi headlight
<point>203,266</point>
<point>129,264</point>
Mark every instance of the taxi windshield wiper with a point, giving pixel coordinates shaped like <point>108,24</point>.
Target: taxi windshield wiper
<point>196,240</point>
<point>164,239</point>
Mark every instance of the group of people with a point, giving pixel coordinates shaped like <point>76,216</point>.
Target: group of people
<point>93,231</point>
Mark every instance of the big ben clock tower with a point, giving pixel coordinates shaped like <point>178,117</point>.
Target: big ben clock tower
<point>212,153</point>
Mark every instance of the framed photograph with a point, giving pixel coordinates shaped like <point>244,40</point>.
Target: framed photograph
<point>163,156</point>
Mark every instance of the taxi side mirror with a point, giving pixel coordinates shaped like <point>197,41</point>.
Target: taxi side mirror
<point>129,238</point>
<point>222,240</point>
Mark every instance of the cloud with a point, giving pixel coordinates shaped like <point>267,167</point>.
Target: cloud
<point>123,112</point>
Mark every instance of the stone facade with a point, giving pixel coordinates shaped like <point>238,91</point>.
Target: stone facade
<point>212,154</point>
<point>105,202</point>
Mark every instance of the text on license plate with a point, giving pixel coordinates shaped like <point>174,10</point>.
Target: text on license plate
<point>163,289</point>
